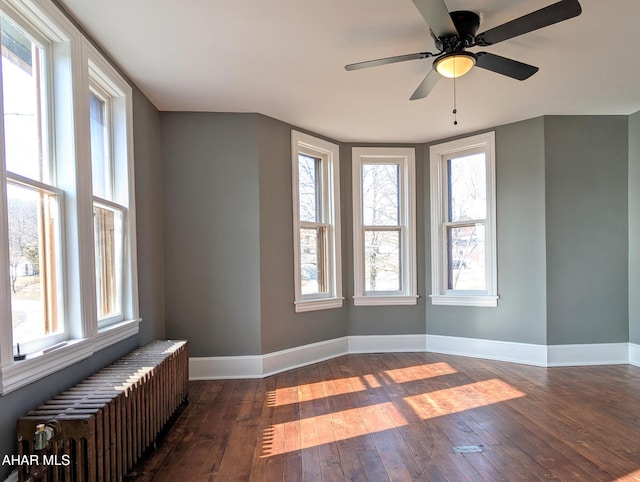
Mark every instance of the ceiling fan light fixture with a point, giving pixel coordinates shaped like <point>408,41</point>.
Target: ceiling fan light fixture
<point>454,64</point>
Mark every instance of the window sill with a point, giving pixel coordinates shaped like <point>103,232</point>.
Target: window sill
<point>42,364</point>
<point>319,304</point>
<point>458,300</point>
<point>39,365</point>
<point>114,333</point>
<point>389,300</point>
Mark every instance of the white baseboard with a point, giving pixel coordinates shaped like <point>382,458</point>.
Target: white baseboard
<point>259,366</point>
<point>283,360</point>
<point>526,353</point>
<point>589,354</point>
<point>634,354</point>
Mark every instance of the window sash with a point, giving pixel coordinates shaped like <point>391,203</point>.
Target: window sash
<point>461,258</point>
<point>388,264</point>
<point>311,211</point>
<point>40,306</point>
<point>381,208</point>
<point>109,239</point>
<point>26,107</point>
<point>321,265</point>
<point>102,166</point>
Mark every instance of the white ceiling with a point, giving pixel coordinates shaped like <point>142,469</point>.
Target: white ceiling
<point>285,59</point>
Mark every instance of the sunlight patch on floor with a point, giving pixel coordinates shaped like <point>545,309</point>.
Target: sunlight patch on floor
<point>323,429</point>
<point>420,372</point>
<point>313,391</point>
<point>461,398</point>
<point>342,386</point>
<point>633,476</point>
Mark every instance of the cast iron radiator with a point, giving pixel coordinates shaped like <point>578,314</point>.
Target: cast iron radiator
<point>101,427</point>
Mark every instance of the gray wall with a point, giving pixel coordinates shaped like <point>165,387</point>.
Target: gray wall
<point>586,170</point>
<point>634,228</point>
<point>520,209</point>
<point>212,231</point>
<point>148,174</point>
<point>149,220</point>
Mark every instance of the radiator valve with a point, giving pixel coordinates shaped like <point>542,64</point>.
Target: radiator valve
<point>44,433</point>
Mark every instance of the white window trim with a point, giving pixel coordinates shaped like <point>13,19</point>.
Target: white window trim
<point>71,84</point>
<point>438,155</point>
<point>330,154</point>
<point>405,158</point>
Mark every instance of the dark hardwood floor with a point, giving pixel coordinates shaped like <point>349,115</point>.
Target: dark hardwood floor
<point>405,417</point>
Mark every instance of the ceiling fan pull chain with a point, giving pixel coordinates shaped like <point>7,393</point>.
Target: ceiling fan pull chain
<point>455,108</point>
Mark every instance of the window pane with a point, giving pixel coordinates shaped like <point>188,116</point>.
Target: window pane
<point>309,188</point>
<point>108,235</point>
<point>33,262</point>
<point>466,255</point>
<point>312,260</point>
<point>382,260</point>
<point>380,194</point>
<point>100,165</point>
<point>23,90</point>
<point>467,188</point>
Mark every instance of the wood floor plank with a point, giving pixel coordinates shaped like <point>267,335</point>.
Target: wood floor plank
<point>310,393</point>
<point>399,416</point>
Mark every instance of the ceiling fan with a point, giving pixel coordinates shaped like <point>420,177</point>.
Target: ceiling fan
<point>454,32</point>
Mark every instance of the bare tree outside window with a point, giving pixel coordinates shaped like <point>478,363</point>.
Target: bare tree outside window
<point>382,234</point>
<point>23,237</point>
<point>313,231</point>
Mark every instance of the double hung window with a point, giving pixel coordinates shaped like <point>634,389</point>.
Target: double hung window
<point>109,172</point>
<point>384,226</point>
<point>34,201</point>
<point>463,222</point>
<point>317,278</point>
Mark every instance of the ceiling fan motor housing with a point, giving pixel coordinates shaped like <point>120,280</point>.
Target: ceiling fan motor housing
<point>467,24</point>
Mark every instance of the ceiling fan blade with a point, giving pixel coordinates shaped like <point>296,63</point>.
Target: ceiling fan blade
<point>437,16</point>
<point>557,12</point>
<point>426,86</point>
<point>502,65</point>
<point>387,60</point>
